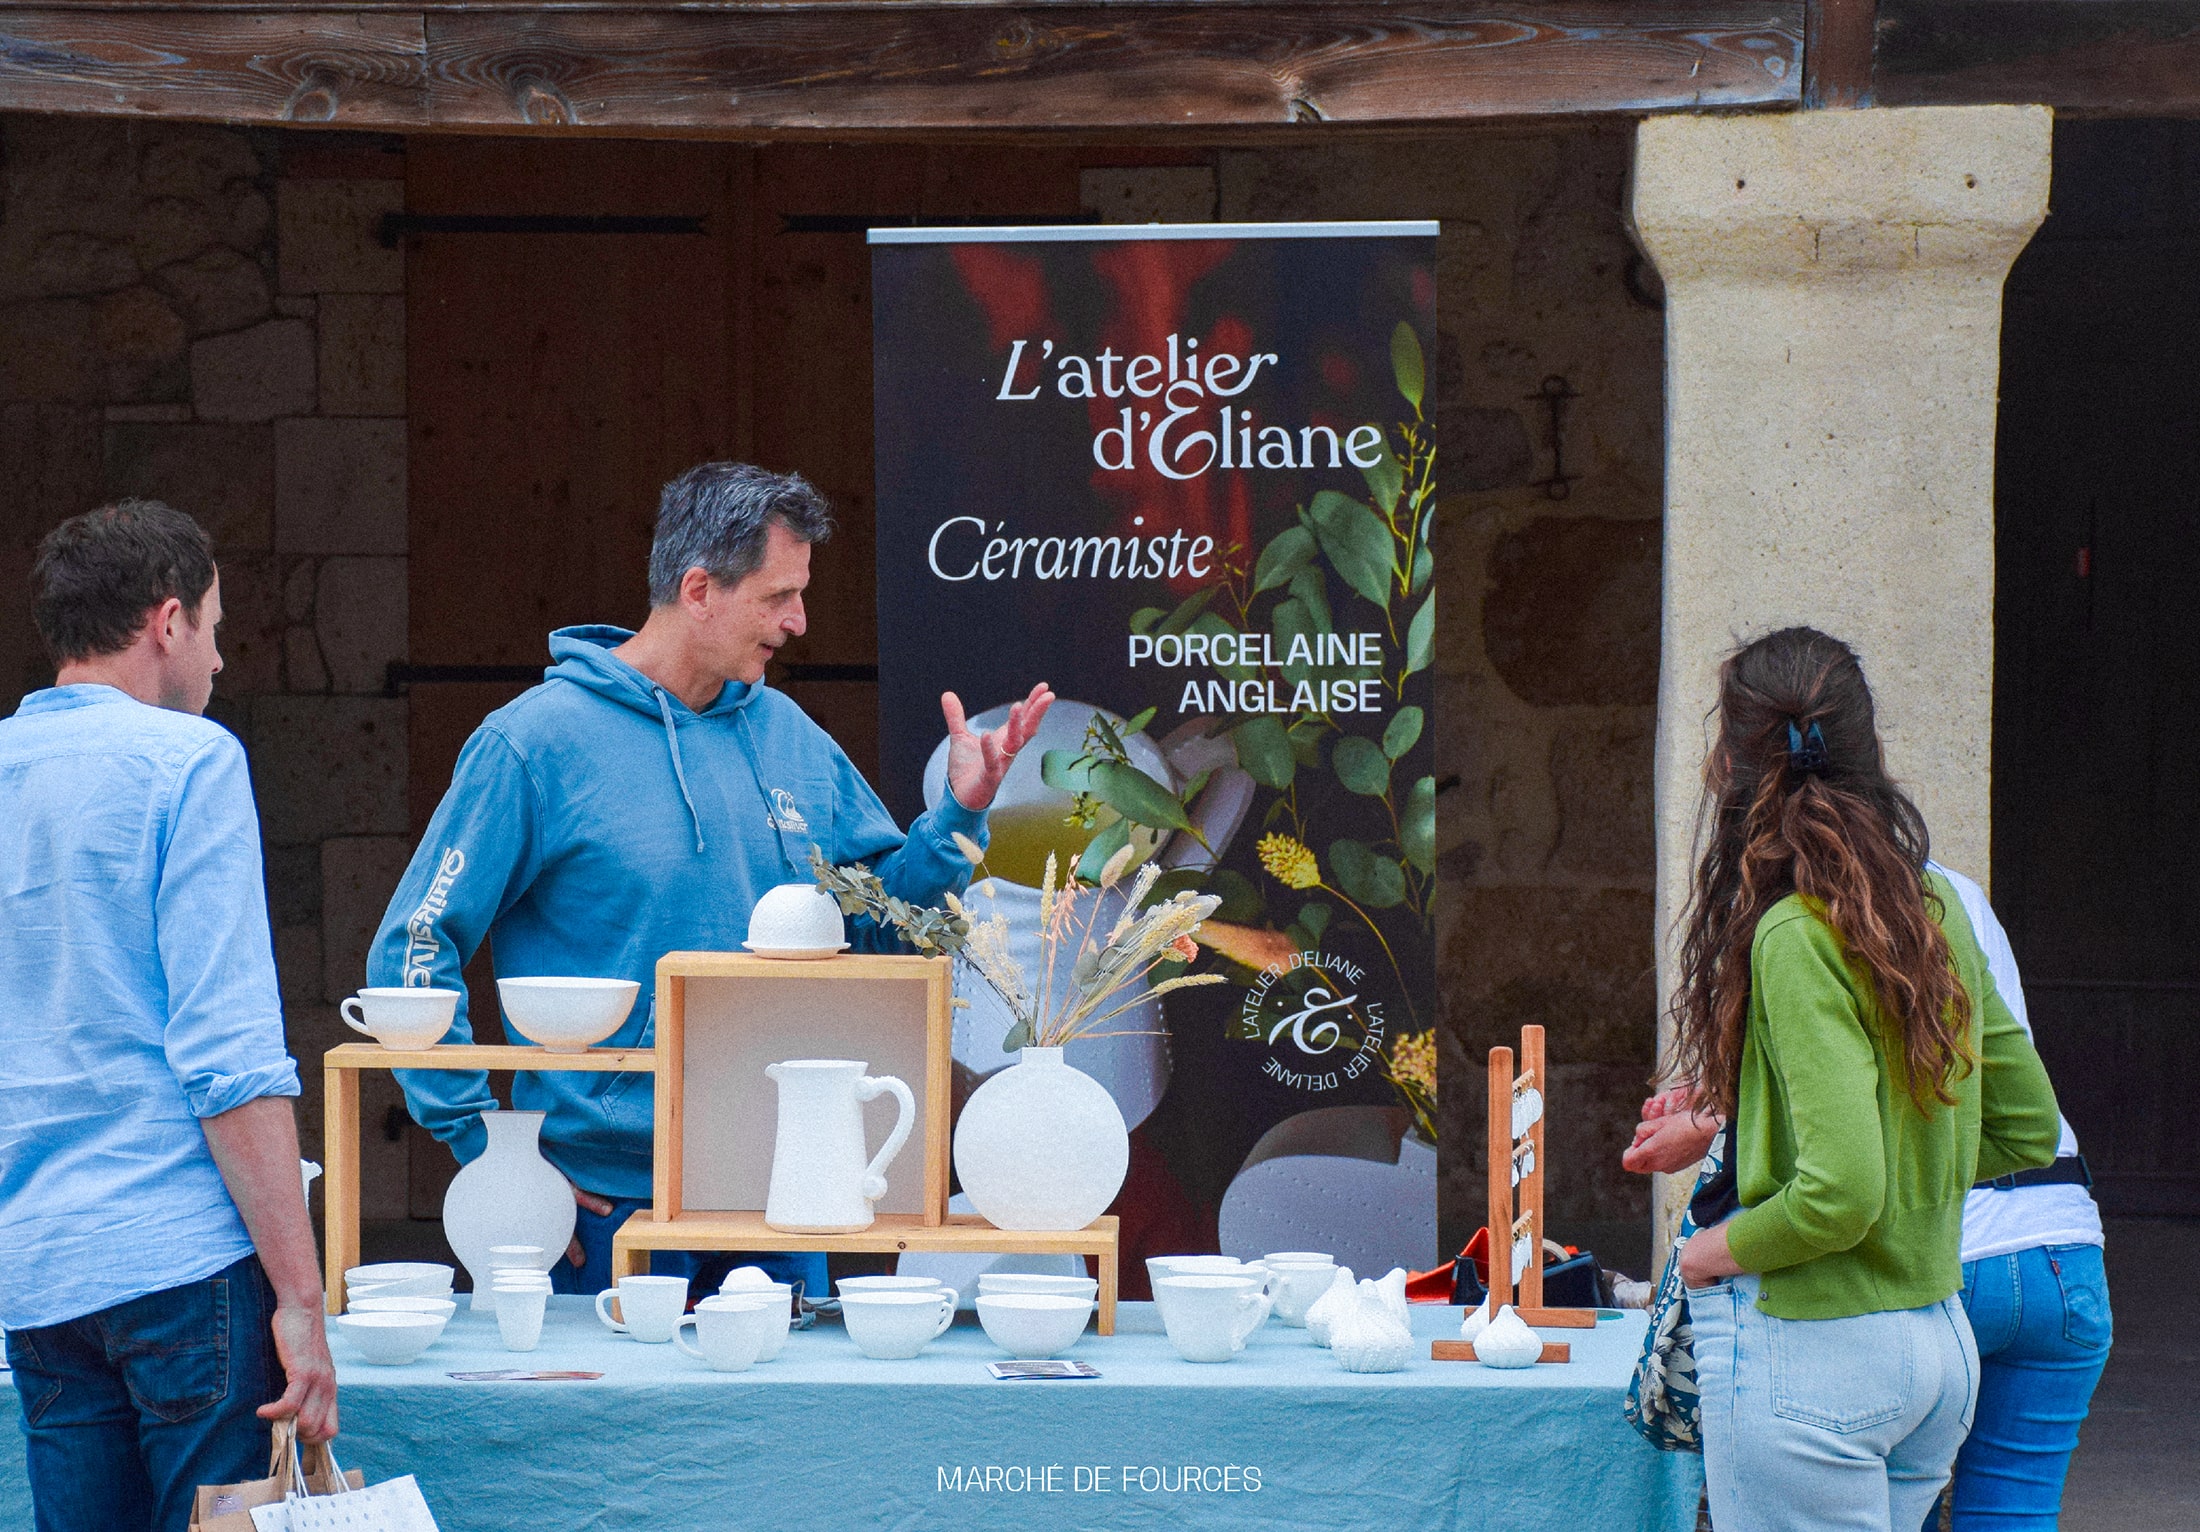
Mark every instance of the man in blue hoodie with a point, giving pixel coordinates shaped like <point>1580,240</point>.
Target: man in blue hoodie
<point>640,801</point>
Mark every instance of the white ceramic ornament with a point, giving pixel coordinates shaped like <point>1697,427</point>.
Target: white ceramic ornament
<point>1507,1342</point>
<point>1367,1335</point>
<point>1392,1291</point>
<point>1322,1310</point>
<point>1475,1323</point>
<point>1527,1110</point>
<point>1522,1250</point>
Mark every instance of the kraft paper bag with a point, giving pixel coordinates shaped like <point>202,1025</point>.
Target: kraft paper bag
<point>394,1505</point>
<point>228,1507</point>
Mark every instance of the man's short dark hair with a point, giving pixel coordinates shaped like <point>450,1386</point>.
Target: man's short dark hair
<point>715,518</point>
<point>99,574</point>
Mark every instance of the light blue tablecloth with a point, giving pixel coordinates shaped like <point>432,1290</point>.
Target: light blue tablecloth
<point>825,1438</point>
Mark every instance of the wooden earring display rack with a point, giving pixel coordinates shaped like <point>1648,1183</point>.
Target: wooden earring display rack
<point>1516,1199</point>
<point>720,1015</point>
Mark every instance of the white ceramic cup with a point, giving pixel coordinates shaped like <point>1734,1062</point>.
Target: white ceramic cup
<point>649,1307</point>
<point>782,1293</point>
<point>893,1326</point>
<point>519,1316</point>
<point>1294,1285</point>
<point>1033,1326</point>
<point>1209,1317</point>
<point>443,1308</point>
<point>504,1282</point>
<point>515,1258</point>
<point>731,1333</point>
<point>1300,1258</point>
<point>847,1285</point>
<point>401,1018</point>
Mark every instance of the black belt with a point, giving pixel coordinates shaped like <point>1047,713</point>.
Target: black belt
<point>2070,1170</point>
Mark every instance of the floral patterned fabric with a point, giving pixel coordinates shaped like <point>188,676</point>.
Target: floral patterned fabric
<point>1661,1397</point>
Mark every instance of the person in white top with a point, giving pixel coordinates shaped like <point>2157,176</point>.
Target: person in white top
<point>2033,1284</point>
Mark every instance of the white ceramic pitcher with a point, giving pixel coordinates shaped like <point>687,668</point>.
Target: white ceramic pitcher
<point>820,1184</point>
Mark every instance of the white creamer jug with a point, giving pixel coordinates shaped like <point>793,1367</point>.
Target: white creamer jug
<point>820,1183</point>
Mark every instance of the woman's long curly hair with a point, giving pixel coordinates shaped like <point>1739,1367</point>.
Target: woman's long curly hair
<point>1797,800</point>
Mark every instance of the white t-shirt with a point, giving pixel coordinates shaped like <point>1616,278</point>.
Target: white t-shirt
<point>1998,1222</point>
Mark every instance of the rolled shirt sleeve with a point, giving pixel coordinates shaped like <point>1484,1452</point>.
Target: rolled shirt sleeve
<point>224,1034</point>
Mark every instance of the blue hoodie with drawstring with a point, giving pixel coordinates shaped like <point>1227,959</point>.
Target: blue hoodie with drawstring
<point>595,824</point>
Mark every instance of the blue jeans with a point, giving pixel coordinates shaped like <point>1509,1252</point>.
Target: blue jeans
<point>2043,1326</point>
<point>703,1269</point>
<point>1812,1425</point>
<point>127,1411</point>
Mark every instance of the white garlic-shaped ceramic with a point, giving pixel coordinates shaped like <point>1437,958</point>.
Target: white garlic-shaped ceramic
<point>745,1279</point>
<point>1322,1310</point>
<point>1366,1335</point>
<point>1508,1342</point>
<point>1391,1290</point>
<point>1476,1322</point>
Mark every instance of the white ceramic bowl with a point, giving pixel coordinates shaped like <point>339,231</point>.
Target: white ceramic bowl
<point>567,1015</point>
<point>1159,1266</point>
<point>398,1279</point>
<point>390,1340</point>
<point>442,1308</point>
<point>847,1285</point>
<point>1033,1326</point>
<point>1001,1282</point>
<point>796,920</point>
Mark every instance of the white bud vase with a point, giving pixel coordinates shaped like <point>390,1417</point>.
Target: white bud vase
<point>1041,1145</point>
<point>508,1195</point>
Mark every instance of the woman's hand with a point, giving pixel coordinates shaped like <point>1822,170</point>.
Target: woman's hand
<point>1705,1259</point>
<point>1672,1136</point>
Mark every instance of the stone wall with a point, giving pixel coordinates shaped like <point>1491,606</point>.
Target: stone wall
<point>207,316</point>
<point>1548,650</point>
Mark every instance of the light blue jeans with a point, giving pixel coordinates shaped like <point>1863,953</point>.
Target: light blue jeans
<point>2043,1327</point>
<point>1812,1425</point>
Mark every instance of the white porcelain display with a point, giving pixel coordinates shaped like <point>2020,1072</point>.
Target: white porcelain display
<point>441,1308</point>
<point>1041,1146</point>
<point>1295,1285</point>
<point>566,1015</point>
<point>1002,1283</point>
<point>1324,1308</point>
<point>820,1183</point>
<point>1033,1326</point>
<point>507,1195</point>
<point>1391,1289</point>
<point>519,1316</point>
<point>1159,1266</point>
<point>390,1340</point>
<point>1476,1322</point>
<point>1368,1334</point>
<point>796,920</point>
<point>894,1326</point>
<point>847,1285</point>
<point>401,1018</point>
<point>1508,1342</point>
<point>755,1282</point>
<point>1209,1318</point>
<point>398,1279</point>
<point>649,1307</point>
<point>731,1333</point>
<point>522,1282</point>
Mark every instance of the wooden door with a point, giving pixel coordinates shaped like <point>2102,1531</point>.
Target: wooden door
<point>2097,664</point>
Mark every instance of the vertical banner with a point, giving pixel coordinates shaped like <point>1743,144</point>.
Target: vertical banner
<point>1187,476</point>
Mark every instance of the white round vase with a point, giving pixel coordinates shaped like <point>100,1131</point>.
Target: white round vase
<point>508,1195</point>
<point>1041,1145</point>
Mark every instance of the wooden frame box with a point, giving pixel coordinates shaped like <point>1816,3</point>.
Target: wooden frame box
<point>723,1016</point>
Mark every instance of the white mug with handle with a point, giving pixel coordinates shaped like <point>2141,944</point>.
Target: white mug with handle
<point>401,1018</point>
<point>649,1307</point>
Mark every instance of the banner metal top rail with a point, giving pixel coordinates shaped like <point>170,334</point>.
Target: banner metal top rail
<point>1416,228</point>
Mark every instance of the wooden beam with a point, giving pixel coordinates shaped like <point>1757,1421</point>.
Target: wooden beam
<point>823,67</point>
<point>2108,58</point>
<point>1837,52</point>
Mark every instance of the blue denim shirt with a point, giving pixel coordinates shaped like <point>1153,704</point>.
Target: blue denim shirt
<point>137,995</point>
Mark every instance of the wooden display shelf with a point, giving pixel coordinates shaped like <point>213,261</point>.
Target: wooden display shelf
<point>1463,1351</point>
<point>962,1233</point>
<point>340,1068</point>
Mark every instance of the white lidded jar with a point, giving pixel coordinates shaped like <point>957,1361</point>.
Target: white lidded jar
<point>508,1195</point>
<point>1041,1145</point>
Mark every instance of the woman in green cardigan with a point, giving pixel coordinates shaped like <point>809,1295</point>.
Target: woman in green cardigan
<point>1835,1007</point>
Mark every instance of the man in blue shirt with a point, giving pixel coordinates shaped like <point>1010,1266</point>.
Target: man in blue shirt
<point>640,801</point>
<point>158,1284</point>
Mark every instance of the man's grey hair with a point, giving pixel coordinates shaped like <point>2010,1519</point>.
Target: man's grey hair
<point>715,518</point>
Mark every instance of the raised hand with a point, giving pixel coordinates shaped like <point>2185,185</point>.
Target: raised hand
<point>976,763</point>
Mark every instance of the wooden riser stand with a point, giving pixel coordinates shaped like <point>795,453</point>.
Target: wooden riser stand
<point>1517,1212</point>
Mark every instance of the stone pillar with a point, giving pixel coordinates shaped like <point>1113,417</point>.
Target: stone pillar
<point>1833,320</point>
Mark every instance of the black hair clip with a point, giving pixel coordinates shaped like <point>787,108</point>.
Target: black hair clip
<point>1807,751</point>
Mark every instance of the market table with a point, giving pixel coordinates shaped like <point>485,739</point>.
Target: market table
<point>825,1438</point>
